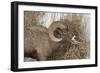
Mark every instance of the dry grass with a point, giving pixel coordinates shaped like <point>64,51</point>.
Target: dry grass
<point>74,51</point>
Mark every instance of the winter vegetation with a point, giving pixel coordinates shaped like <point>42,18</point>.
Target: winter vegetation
<point>56,36</point>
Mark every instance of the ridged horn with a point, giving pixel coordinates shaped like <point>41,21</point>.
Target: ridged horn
<point>53,27</point>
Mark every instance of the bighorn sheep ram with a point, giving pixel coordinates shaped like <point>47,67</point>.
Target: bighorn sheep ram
<point>40,42</point>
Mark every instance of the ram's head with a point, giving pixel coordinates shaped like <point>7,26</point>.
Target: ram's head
<point>60,31</point>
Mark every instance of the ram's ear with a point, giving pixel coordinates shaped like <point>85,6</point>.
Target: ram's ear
<point>54,26</point>
<point>58,32</point>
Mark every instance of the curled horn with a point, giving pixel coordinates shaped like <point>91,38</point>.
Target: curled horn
<point>53,27</point>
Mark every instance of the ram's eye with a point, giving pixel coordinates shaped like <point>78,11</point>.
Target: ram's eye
<point>57,33</point>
